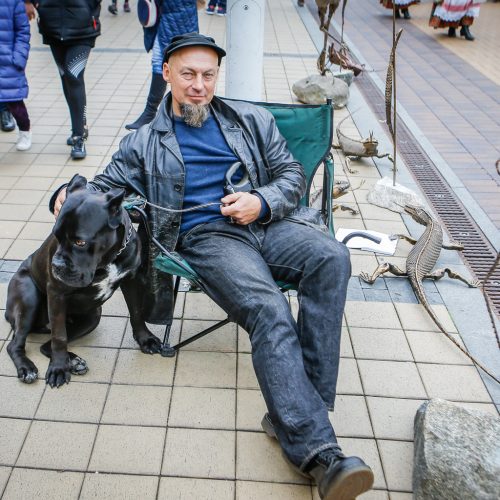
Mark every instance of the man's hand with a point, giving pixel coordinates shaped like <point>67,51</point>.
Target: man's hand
<point>59,201</point>
<point>30,10</point>
<point>243,208</point>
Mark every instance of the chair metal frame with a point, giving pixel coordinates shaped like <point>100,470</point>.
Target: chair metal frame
<point>183,270</point>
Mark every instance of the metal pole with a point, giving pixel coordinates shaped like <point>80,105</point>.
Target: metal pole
<point>394,80</point>
<point>245,49</point>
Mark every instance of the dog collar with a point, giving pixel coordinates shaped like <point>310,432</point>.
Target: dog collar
<point>127,236</point>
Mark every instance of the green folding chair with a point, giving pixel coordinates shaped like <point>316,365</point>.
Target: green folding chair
<point>308,131</point>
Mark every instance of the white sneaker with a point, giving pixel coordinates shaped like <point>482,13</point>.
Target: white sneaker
<point>23,141</point>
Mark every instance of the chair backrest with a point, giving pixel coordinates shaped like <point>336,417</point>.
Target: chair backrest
<point>308,131</point>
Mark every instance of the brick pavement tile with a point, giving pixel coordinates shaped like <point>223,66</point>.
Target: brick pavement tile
<point>250,408</point>
<point>20,249</point>
<point>457,383</point>
<point>222,340</point>
<point>434,347</point>
<point>58,445</point>
<point>392,418</point>
<point>19,400</point>
<point>109,333</point>
<point>125,449</point>
<point>350,417</point>
<point>203,408</point>
<point>36,231</point>
<point>10,229</point>
<point>101,362</point>
<point>397,495</point>
<point>76,402</point>
<point>5,330</point>
<point>363,263</point>
<point>348,380</point>
<point>5,244</point>
<point>367,450</point>
<point>258,458</point>
<point>391,379</point>
<point>11,211</point>
<point>12,434</point>
<point>200,306</point>
<point>367,314</point>
<point>199,453</point>
<point>346,344</point>
<point>43,484</point>
<point>246,373</point>
<point>115,306</point>
<point>397,460</point>
<point>136,368</point>
<point>248,490</point>
<point>137,405</point>
<point>118,486</point>
<point>183,488</point>
<point>205,369</point>
<point>4,476</point>
<point>375,343</point>
<point>415,317</point>
<point>369,495</point>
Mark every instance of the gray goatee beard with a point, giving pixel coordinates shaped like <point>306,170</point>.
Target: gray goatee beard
<point>195,115</point>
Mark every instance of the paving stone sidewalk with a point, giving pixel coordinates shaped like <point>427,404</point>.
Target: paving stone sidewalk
<point>145,427</point>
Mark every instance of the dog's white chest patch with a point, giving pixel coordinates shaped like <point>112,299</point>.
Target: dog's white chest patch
<point>107,286</point>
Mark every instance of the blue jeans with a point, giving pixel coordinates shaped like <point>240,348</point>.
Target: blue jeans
<point>296,362</point>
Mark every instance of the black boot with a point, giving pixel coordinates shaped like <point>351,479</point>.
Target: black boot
<point>452,32</point>
<point>7,121</point>
<point>464,31</point>
<point>156,92</point>
<point>339,477</point>
<point>398,15</point>
<point>406,13</point>
<point>78,151</point>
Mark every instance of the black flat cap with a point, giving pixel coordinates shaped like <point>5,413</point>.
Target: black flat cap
<point>192,40</point>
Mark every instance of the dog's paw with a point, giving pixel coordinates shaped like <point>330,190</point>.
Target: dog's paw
<point>149,344</point>
<point>78,365</point>
<point>28,372</point>
<point>58,375</point>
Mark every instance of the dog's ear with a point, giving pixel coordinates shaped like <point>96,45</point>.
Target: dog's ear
<point>76,182</point>
<point>114,198</point>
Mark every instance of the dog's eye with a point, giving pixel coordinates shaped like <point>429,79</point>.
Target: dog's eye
<point>80,243</point>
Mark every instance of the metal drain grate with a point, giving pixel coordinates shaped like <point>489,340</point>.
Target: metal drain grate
<point>478,254</point>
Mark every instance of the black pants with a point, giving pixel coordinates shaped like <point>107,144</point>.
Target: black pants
<point>71,61</point>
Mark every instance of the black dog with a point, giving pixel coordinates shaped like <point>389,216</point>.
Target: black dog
<point>61,287</point>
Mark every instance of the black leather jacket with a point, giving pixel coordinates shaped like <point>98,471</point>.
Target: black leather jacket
<point>67,20</point>
<point>149,163</point>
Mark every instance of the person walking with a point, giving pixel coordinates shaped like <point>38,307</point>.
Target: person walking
<point>175,18</point>
<point>400,4</point>
<point>113,7</point>
<point>69,28</point>
<point>453,14</point>
<point>14,50</point>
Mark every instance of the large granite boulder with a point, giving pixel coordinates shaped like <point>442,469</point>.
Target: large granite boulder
<point>457,453</point>
<point>316,89</point>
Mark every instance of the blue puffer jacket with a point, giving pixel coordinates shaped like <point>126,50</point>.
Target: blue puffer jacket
<point>176,17</point>
<point>14,50</point>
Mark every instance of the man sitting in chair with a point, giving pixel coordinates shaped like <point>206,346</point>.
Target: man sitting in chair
<point>242,243</point>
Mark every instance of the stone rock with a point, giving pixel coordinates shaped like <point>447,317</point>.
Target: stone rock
<point>316,89</point>
<point>385,195</point>
<point>457,453</point>
<point>347,75</point>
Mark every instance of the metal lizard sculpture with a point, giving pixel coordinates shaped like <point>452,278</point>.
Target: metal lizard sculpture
<point>420,263</point>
